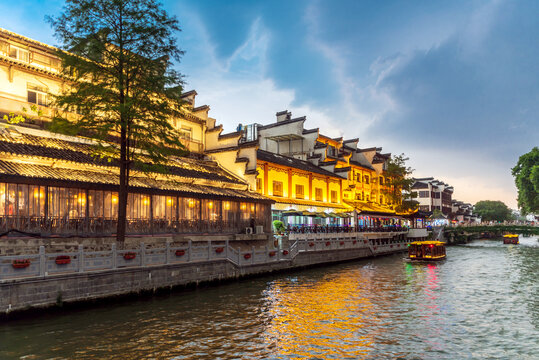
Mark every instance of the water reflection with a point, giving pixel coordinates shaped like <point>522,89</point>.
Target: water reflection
<point>482,302</point>
<point>329,318</point>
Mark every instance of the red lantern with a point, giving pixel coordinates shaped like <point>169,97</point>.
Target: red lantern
<point>180,252</point>
<point>63,260</point>
<point>20,264</point>
<point>247,256</point>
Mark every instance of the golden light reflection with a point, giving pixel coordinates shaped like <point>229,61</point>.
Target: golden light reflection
<point>330,318</point>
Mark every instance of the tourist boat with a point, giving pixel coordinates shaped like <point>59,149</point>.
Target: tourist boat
<point>432,250</point>
<point>510,239</point>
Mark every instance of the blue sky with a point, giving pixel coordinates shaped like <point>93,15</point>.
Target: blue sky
<point>453,84</point>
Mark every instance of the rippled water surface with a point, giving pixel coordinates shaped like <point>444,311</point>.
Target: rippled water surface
<point>482,302</point>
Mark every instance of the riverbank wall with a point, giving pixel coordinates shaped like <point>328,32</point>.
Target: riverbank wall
<point>48,279</point>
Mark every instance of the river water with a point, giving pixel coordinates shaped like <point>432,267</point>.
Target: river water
<point>482,302</point>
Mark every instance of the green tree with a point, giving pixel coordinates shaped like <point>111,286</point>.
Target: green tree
<point>118,61</point>
<point>526,173</point>
<point>490,210</point>
<point>399,190</point>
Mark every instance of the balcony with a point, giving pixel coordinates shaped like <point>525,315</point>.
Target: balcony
<point>193,145</point>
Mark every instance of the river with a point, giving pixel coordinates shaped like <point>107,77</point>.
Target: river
<point>482,302</point>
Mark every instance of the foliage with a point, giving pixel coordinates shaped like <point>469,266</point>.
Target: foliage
<point>121,82</point>
<point>278,226</point>
<point>526,173</point>
<point>437,214</point>
<point>490,210</point>
<point>13,119</point>
<point>400,192</point>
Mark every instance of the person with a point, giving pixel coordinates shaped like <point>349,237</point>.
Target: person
<point>252,223</point>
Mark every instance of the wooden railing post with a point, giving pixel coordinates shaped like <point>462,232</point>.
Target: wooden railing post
<point>190,249</point>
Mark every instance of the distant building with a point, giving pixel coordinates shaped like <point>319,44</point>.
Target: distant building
<point>433,194</point>
<point>462,212</point>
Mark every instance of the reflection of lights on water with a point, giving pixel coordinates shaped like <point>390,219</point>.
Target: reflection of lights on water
<point>325,318</point>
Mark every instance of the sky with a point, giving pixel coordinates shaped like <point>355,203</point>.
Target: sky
<point>454,85</point>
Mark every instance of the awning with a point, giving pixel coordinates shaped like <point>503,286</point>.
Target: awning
<point>310,203</point>
<point>369,208</point>
<point>292,213</point>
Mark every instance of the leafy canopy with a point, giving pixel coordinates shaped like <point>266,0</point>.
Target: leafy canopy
<point>490,210</point>
<point>121,83</point>
<point>526,173</point>
<point>400,191</point>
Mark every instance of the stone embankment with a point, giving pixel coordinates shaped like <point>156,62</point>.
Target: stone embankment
<point>43,279</point>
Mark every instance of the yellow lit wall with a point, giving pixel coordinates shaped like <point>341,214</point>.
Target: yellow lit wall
<point>275,175</point>
<point>300,180</point>
<point>319,183</point>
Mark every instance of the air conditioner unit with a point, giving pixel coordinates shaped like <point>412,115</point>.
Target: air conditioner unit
<point>249,230</point>
<point>259,229</point>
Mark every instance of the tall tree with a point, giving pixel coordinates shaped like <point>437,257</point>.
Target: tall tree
<point>490,210</point>
<point>526,173</point>
<point>400,192</point>
<point>117,58</point>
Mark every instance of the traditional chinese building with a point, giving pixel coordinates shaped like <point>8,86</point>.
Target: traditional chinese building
<point>433,194</point>
<point>51,183</point>
<point>321,177</point>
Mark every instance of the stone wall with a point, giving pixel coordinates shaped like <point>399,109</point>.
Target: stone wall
<point>23,294</point>
<point>13,245</point>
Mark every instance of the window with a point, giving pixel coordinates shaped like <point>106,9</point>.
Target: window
<point>277,188</point>
<point>319,194</point>
<point>259,185</point>
<point>358,177</point>
<point>366,179</point>
<point>186,133</point>
<point>423,194</point>
<point>19,54</point>
<point>334,197</point>
<point>381,180</point>
<point>331,151</point>
<point>381,199</point>
<point>37,95</point>
<point>299,192</point>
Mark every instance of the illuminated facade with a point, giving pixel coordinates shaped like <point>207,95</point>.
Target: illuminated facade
<point>304,170</point>
<point>51,183</point>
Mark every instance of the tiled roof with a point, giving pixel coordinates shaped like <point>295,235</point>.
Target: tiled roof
<point>292,162</point>
<point>357,163</point>
<point>27,145</point>
<point>99,177</point>
<point>370,208</point>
